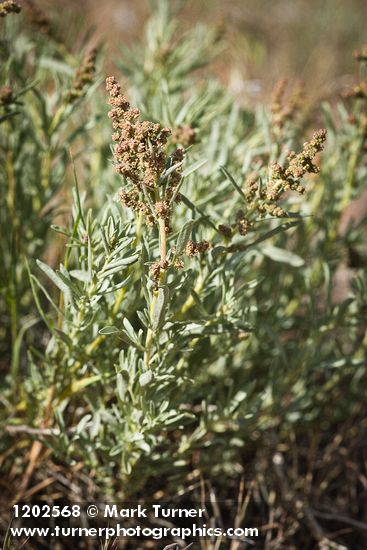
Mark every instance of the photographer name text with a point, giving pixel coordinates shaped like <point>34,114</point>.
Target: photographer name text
<point>157,510</point>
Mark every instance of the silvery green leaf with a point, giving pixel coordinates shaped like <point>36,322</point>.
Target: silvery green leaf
<point>112,288</point>
<point>124,243</point>
<point>109,330</point>
<point>160,308</point>
<point>233,182</point>
<point>118,265</point>
<point>145,378</point>
<point>280,229</point>
<point>175,417</point>
<point>143,445</point>
<point>191,169</point>
<point>121,386</point>
<point>80,275</point>
<point>144,317</point>
<point>129,328</point>
<point>171,169</point>
<point>183,237</point>
<point>54,277</point>
<point>95,425</point>
<point>83,423</point>
<point>281,255</point>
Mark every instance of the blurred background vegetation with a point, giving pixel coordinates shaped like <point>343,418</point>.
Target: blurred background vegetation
<point>311,40</point>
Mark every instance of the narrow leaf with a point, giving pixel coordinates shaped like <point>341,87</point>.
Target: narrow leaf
<point>160,308</point>
<point>191,169</point>
<point>233,182</point>
<point>145,378</point>
<point>183,237</point>
<point>109,330</point>
<point>54,278</point>
<point>281,255</point>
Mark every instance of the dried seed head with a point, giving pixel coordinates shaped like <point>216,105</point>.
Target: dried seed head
<point>195,248</point>
<point>251,186</point>
<point>9,6</point>
<point>285,107</point>
<point>139,154</point>
<point>83,78</point>
<point>162,209</point>
<point>141,157</point>
<point>282,178</point>
<point>157,268</point>
<point>190,248</point>
<point>243,226</point>
<point>155,271</point>
<point>274,210</point>
<point>302,163</point>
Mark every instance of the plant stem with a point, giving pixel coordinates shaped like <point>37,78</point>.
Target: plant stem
<point>163,239</point>
<point>162,278</point>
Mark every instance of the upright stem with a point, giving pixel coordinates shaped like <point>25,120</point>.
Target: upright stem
<point>162,239</point>
<point>163,259</point>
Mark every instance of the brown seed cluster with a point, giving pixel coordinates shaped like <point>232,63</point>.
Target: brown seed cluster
<point>141,159</point>
<point>243,224</point>
<point>288,177</point>
<point>9,6</point>
<point>83,78</point>
<point>264,200</point>
<point>157,268</point>
<point>194,248</point>
<point>302,163</point>
<point>285,106</point>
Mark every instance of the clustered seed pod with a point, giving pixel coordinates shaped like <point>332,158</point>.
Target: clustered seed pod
<point>141,159</point>
<point>9,6</point>
<point>243,224</point>
<point>83,78</point>
<point>156,268</point>
<point>284,107</point>
<point>302,163</point>
<point>194,248</point>
<point>263,199</point>
<point>288,177</point>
